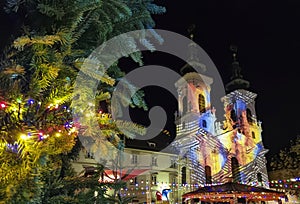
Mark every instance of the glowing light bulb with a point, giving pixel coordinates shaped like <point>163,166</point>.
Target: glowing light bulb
<point>23,137</point>
<point>30,101</point>
<point>19,100</point>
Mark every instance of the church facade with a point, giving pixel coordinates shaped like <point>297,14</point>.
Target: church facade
<point>219,151</point>
<point>205,151</point>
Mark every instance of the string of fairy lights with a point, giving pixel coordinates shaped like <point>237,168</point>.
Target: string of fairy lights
<point>143,187</point>
<point>293,183</point>
<point>34,120</point>
<point>140,189</point>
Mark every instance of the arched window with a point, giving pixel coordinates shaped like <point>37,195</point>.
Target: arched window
<point>233,115</point>
<point>208,177</point>
<point>184,105</point>
<point>249,115</point>
<point>259,177</point>
<point>183,175</point>
<point>235,169</point>
<point>253,135</point>
<point>204,124</point>
<point>201,103</point>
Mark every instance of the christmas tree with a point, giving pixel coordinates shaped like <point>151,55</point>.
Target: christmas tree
<point>285,166</point>
<point>39,136</point>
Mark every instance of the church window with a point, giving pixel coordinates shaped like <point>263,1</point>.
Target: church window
<point>208,178</point>
<point>259,177</point>
<point>233,115</point>
<point>201,103</point>
<point>235,169</point>
<point>249,115</point>
<point>204,124</point>
<point>253,135</point>
<point>183,175</point>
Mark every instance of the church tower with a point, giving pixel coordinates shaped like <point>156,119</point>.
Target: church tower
<point>246,153</point>
<point>194,102</point>
<point>195,121</point>
<point>212,151</point>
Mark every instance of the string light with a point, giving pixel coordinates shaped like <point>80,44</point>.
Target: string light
<point>23,137</point>
<point>285,183</point>
<point>41,136</point>
<point>19,100</point>
<point>30,101</point>
<point>2,105</point>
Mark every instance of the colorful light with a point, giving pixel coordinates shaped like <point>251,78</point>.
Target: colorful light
<point>2,104</point>
<point>19,100</point>
<point>24,137</point>
<point>30,101</point>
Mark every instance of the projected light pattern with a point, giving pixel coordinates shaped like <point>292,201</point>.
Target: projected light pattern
<point>232,149</point>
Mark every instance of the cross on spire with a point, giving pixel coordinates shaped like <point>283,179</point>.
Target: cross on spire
<point>191,31</point>
<point>237,81</point>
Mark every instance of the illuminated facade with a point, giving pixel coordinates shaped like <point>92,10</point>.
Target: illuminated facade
<point>218,151</point>
<point>205,151</point>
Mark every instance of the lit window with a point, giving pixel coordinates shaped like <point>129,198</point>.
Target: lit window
<point>201,103</point>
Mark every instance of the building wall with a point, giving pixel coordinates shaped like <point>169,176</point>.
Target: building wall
<point>154,175</point>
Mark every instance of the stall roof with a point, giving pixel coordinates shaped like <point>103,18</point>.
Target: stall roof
<point>231,190</point>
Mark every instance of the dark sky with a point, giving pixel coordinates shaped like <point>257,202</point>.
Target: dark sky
<point>267,34</point>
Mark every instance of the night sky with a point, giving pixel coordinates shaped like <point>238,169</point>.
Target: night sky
<point>267,35</point>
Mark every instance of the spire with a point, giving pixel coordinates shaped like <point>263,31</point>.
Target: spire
<point>237,81</point>
<point>193,58</point>
<point>191,31</point>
